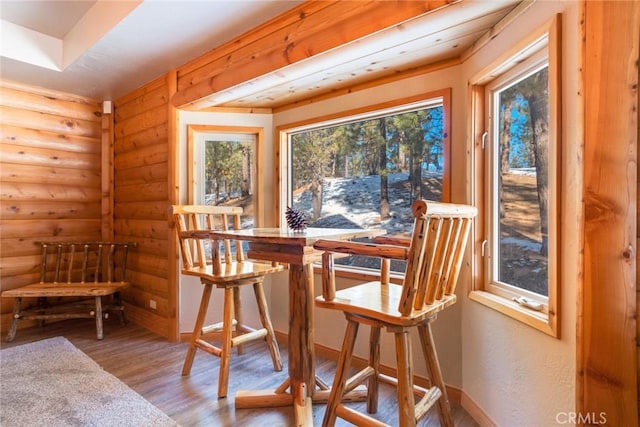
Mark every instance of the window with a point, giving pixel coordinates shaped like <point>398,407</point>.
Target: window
<point>516,112</point>
<point>223,171</point>
<point>365,169</point>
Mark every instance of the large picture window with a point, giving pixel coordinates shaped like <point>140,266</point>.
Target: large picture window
<point>365,169</point>
<point>517,173</point>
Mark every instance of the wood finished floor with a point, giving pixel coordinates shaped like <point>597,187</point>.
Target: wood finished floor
<point>152,367</point>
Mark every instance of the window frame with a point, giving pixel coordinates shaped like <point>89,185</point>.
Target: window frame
<point>196,135</point>
<point>482,290</point>
<point>283,160</point>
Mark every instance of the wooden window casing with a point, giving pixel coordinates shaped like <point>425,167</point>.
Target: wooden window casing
<point>483,290</point>
<point>283,165</point>
<point>194,165</point>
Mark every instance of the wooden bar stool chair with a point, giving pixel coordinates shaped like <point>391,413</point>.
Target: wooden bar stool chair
<point>434,256</point>
<point>228,272</point>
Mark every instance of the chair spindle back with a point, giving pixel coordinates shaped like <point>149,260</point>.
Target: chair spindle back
<point>190,218</point>
<point>438,242</point>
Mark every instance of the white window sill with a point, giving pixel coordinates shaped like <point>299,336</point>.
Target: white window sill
<point>542,321</point>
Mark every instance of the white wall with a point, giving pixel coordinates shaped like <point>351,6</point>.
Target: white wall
<point>517,375</point>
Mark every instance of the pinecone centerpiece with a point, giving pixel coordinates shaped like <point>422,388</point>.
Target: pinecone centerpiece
<point>296,220</point>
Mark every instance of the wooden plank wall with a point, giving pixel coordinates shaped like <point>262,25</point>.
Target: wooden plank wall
<point>141,202</point>
<point>50,169</point>
<point>607,360</point>
<point>304,31</point>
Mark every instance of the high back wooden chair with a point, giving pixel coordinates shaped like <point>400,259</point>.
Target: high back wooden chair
<point>434,256</point>
<point>203,258</point>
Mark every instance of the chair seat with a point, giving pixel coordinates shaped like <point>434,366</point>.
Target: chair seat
<point>234,271</point>
<point>380,301</point>
<point>76,289</point>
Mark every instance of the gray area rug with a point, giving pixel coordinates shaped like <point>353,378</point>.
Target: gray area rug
<point>52,383</point>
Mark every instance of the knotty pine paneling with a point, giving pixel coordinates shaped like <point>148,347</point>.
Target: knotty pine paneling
<point>607,380</point>
<point>141,201</point>
<point>307,30</point>
<point>50,169</point>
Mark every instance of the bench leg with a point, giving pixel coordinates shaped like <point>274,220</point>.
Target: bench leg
<point>42,305</point>
<point>117,301</point>
<point>17,303</point>
<point>99,318</point>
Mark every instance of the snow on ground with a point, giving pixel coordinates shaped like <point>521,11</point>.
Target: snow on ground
<point>355,201</point>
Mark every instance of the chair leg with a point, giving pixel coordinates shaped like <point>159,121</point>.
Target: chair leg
<point>406,400</point>
<point>197,328</point>
<point>227,343</point>
<point>98,315</point>
<point>342,371</point>
<point>258,290</point>
<point>17,306</point>
<point>374,362</point>
<point>237,314</point>
<point>433,367</point>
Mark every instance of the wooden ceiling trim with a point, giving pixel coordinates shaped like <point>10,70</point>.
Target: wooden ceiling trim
<point>337,24</point>
<point>237,110</point>
<point>410,46</point>
<point>425,69</point>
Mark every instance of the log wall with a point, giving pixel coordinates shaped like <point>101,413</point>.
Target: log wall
<point>50,170</point>
<point>307,30</point>
<point>607,381</point>
<point>52,186</point>
<point>143,123</point>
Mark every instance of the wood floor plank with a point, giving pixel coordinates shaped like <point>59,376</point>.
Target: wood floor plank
<point>152,367</point>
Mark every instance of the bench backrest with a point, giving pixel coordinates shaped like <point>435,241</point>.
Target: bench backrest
<point>84,262</point>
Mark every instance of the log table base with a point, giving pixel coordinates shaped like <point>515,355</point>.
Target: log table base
<point>302,389</point>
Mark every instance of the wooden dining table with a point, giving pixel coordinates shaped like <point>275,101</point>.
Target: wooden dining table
<point>302,388</point>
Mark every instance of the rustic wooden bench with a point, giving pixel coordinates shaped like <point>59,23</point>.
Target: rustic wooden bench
<point>80,270</point>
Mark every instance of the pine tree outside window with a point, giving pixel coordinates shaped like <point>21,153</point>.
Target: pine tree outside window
<point>365,169</point>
